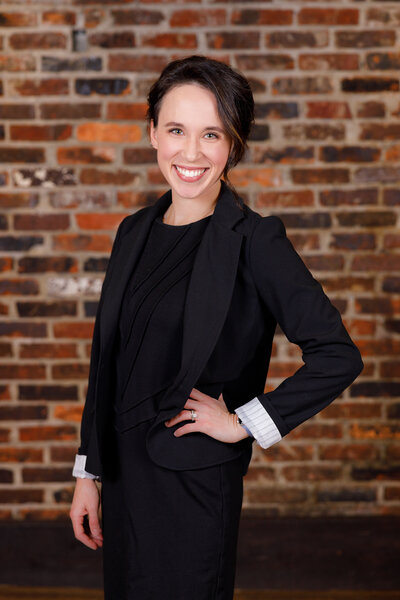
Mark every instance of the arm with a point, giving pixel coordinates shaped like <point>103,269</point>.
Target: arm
<point>305,314</point>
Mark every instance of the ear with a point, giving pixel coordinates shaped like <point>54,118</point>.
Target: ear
<point>153,135</point>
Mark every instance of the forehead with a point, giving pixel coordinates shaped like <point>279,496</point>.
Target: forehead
<point>190,101</point>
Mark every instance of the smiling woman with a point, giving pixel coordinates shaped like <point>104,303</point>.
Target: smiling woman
<point>195,287</point>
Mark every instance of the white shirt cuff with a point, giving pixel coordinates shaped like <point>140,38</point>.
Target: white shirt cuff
<point>258,421</point>
<point>79,468</point>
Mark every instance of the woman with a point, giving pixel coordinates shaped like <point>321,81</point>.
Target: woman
<point>194,289</point>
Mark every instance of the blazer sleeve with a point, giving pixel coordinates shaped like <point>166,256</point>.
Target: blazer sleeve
<point>298,303</point>
<point>89,407</point>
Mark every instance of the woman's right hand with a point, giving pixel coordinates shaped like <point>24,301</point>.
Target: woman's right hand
<point>86,501</point>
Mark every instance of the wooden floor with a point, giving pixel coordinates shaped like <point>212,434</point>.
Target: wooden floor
<point>10,592</point>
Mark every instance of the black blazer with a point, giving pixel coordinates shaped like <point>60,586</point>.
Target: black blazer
<point>246,278</point>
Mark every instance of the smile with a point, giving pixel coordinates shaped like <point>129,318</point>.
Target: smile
<point>189,174</point>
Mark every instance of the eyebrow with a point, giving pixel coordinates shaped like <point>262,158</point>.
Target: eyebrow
<point>174,124</point>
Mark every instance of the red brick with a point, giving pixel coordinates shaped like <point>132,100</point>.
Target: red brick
<point>17,63</point>
<point>373,432</point>
<point>21,496</point>
<point>328,16</point>
<point>37,41</point>
<point>233,39</point>
<point>48,350</point>
<point>68,413</point>
<point>312,473</point>
<point>48,432</point>
<point>328,110</point>
<point>98,177</point>
<point>316,430</point>
<point>48,133</point>
<point>26,371</point>
<point>76,329</point>
<point>46,474</point>
<point>18,19</point>
<point>262,17</point>
<point>284,198</point>
<point>21,455</point>
<point>39,87</point>
<point>62,110</point>
<point>353,410</point>
<point>376,262</point>
<point>390,369</point>
<point>99,221</point>
<point>108,132</point>
<point>82,243</point>
<point>329,62</point>
<point>70,371</point>
<point>348,452</point>
<point>198,18</point>
<point>55,17</point>
<point>143,63</point>
<point>170,40</point>
<point>49,222</point>
<point>126,111</point>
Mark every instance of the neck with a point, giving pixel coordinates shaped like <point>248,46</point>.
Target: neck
<point>184,211</point>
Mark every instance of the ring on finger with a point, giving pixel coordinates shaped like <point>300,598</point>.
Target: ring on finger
<point>194,414</point>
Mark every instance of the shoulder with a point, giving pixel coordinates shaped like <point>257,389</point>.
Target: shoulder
<point>130,221</point>
<point>264,228</point>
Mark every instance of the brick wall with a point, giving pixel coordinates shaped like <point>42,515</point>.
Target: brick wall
<point>75,157</point>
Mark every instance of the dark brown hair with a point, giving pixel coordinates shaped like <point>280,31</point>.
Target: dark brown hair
<point>235,102</point>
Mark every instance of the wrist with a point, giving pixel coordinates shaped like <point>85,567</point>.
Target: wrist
<point>242,427</point>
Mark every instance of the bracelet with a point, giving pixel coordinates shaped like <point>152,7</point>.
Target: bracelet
<point>240,422</point>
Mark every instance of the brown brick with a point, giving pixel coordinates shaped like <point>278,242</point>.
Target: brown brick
<point>24,371</point>
<point>391,240</point>
<point>143,63</point>
<point>98,177</point>
<point>81,330</point>
<point>324,175</point>
<point>353,410</point>
<point>62,454</point>
<point>321,262</point>
<point>37,41</point>
<point>134,156</point>
<point>313,473</point>
<point>38,87</point>
<point>392,493</point>
<point>347,494</point>
<point>47,222</point>
<point>365,39</point>
<point>328,110</point>
<point>370,84</point>
<point>115,39</point>
<point>349,154</point>
<point>5,350</point>
<point>264,62</point>
<point>6,476</point>
<point>48,350</point>
<point>372,262</point>
<point>233,39</point>
<point>48,133</point>
<point>171,40</point>
<point>44,264</point>
<point>371,110</point>
<point>279,495</point>
<point>315,131</point>
<point>82,243</point>
<point>82,155</point>
<point>390,369</point>
<point>355,284</point>
<point>46,474</point>
<point>20,496</point>
<point>328,16</point>
<point>126,110</point>
<point>391,284</point>
<point>296,39</point>
<point>198,18</point>
<point>22,413</point>
<point>18,63</point>
<point>56,17</point>
<point>21,455</point>
<point>316,430</point>
<point>348,452</point>
<point>70,111</point>
<point>70,371</point>
<point>17,111</point>
<point>47,309</point>
<point>21,155</point>
<point>49,514</point>
<point>23,329</point>
<point>49,432</point>
<point>375,472</point>
<point>137,17</point>
<point>338,197</point>
<point>48,392</point>
<point>289,198</point>
<point>329,62</point>
<point>373,389</point>
<point>19,286</point>
<point>392,325</point>
<point>353,241</point>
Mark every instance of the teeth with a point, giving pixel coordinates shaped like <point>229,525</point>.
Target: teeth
<point>190,173</point>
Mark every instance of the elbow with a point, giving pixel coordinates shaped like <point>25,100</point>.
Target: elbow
<point>354,364</point>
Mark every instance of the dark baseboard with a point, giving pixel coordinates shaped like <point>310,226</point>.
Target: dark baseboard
<point>281,553</point>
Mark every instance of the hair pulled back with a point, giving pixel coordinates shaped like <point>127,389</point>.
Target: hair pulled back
<point>235,102</point>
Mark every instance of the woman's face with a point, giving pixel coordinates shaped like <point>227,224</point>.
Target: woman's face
<point>192,147</point>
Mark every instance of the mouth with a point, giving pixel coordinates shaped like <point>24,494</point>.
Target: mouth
<point>190,174</point>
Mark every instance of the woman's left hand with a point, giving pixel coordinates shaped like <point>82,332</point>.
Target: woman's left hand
<point>213,418</point>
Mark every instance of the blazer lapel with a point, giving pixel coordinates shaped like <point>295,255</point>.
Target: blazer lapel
<point>128,254</point>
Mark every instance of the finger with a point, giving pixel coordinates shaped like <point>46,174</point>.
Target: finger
<point>79,531</point>
<point>189,428</point>
<point>95,528</point>
<point>184,415</point>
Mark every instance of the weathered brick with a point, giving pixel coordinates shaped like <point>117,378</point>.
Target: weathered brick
<point>18,200</point>
<point>292,198</point>
<point>315,131</point>
<point>17,111</point>
<point>366,219</point>
<point>173,40</point>
<point>43,264</point>
<point>375,472</point>
<point>287,155</point>
<point>301,85</point>
<point>296,39</point>
<point>22,329</point>
<point>233,39</point>
<point>142,63</point>
<point>81,330</point>
<point>328,110</point>
<point>328,16</point>
<point>17,63</point>
<point>376,262</point>
<point>46,309</point>
<point>82,243</point>
<point>48,222</point>
<point>347,494</point>
<point>47,392</point>
<point>338,197</point>
<point>21,155</point>
<point>139,16</point>
<point>21,455</point>
<point>348,452</point>
<point>198,18</point>
<point>329,62</point>
<point>82,155</point>
<point>370,84</point>
<point>22,413</point>
<point>277,495</point>
<point>70,371</point>
<point>391,284</point>
<point>365,39</point>
<point>48,133</point>
<point>104,87</point>
<point>68,413</point>
<point>46,474</point>
<point>56,17</point>
<point>353,241</point>
<point>81,63</point>
<point>43,178</point>
<point>22,371</point>
<point>70,111</point>
<point>349,154</point>
<point>19,286</point>
<point>264,62</point>
<point>324,175</point>
<point>314,473</point>
<point>48,350</point>
<point>38,87</point>
<point>371,110</point>
<point>48,432</point>
<point>18,19</point>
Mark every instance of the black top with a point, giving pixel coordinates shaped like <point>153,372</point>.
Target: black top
<point>149,337</point>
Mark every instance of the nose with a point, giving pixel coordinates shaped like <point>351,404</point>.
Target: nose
<point>191,149</point>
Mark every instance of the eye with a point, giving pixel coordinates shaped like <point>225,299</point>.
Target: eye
<point>213,134</point>
<point>175,129</point>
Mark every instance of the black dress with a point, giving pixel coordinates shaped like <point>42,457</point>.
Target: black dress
<point>168,534</point>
